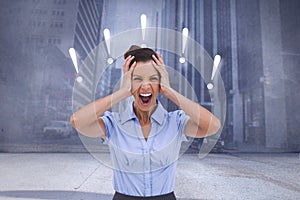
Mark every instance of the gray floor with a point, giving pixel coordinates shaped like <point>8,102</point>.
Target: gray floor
<point>217,176</point>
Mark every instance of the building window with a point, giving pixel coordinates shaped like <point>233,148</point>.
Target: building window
<point>58,13</point>
<point>38,11</point>
<point>54,40</point>
<point>35,24</point>
<point>59,2</point>
<point>57,24</point>
<point>35,39</point>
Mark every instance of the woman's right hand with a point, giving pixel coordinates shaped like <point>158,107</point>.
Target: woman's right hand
<point>127,72</point>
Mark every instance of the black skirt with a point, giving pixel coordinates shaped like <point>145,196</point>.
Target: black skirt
<point>119,196</point>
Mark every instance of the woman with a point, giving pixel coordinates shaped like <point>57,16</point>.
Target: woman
<point>145,140</point>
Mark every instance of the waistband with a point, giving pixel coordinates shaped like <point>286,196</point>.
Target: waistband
<point>120,196</point>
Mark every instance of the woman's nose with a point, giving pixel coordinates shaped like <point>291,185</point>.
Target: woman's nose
<point>145,84</point>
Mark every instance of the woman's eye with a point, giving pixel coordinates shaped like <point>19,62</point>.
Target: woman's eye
<point>137,79</point>
<point>153,79</point>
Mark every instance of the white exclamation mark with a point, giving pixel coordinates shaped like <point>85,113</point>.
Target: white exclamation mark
<point>143,25</point>
<point>217,61</point>
<point>185,34</point>
<point>106,33</point>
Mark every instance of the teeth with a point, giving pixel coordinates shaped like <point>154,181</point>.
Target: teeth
<point>145,95</point>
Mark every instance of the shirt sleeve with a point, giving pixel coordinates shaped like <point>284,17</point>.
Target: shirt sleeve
<point>182,120</point>
<point>108,120</point>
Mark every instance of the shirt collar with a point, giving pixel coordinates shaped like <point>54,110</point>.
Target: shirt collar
<point>158,115</point>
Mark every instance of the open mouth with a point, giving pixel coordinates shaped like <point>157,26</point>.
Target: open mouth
<point>145,98</point>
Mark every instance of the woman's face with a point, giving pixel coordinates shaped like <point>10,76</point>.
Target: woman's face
<point>145,85</point>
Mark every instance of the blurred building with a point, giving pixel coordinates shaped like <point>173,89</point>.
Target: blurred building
<point>36,36</point>
<point>86,39</point>
<point>267,34</point>
<point>42,22</point>
<point>257,41</point>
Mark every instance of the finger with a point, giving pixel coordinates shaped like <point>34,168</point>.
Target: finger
<point>160,58</point>
<point>159,67</point>
<point>124,64</point>
<point>128,74</point>
<point>155,59</point>
<point>128,60</point>
<point>132,67</point>
<point>127,63</point>
<point>155,65</point>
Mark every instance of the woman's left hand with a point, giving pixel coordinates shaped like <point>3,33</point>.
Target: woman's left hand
<point>159,65</point>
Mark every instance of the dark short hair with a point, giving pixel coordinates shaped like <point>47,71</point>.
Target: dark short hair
<point>140,54</point>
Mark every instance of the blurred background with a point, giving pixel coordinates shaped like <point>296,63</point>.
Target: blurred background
<point>259,41</point>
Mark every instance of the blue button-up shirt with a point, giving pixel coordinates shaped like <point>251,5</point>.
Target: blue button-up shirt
<point>144,168</point>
